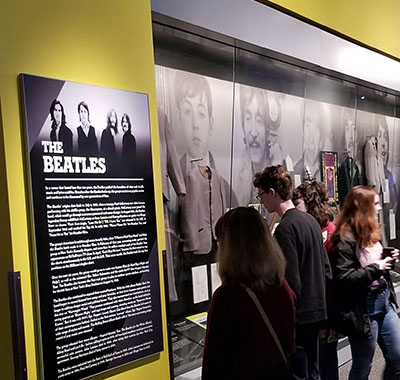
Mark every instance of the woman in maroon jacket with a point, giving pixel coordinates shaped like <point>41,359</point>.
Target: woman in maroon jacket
<point>238,343</point>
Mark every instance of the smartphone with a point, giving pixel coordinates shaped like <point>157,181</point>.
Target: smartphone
<point>387,251</point>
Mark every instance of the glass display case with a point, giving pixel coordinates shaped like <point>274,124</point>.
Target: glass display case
<point>226,113</point>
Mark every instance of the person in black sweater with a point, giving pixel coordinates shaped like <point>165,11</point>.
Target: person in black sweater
<point>299,236</point>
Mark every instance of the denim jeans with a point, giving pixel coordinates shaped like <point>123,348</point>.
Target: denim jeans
<point>385,326</point>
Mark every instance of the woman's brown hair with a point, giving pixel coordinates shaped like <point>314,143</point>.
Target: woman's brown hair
<point>247,252</point>
<point>357,219</point>
<point>315,196</point>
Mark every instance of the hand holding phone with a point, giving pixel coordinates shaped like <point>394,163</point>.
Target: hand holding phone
<point>395,255</point>
<point>388,252</point>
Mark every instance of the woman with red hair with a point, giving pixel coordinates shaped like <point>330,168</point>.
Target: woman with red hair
<point>362,289</point>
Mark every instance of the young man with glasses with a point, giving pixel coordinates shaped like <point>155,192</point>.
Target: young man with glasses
<point>300,239</point>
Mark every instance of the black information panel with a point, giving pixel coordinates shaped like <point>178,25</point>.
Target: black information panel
<point>95,226</point>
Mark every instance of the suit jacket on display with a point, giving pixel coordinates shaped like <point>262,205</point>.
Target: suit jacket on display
<point>203,205</point>
<point>170,167</point>
<point>374,170</point>
<point>230,195</point>
<point>170,170</point>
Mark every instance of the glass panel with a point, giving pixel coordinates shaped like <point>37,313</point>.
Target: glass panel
<point>375,101</point>
<point>394,167</point>
<point>329,125</point>
<point>225,114</point>
<point>194,79</point>
<point>256,70</point>
<point>330,90</point>
<point>268,113</point>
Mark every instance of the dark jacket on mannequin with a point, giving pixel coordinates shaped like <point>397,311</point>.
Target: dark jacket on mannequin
<point>349,176</point>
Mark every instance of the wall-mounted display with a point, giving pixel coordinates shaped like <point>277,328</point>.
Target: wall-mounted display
<point>94,226</point>
<point>329,174</point>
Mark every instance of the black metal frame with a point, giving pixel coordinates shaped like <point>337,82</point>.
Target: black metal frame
<point>17,325</point>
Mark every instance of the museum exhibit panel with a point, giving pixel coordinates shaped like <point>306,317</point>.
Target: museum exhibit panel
<point>230,112</point>
<point>95,228</point>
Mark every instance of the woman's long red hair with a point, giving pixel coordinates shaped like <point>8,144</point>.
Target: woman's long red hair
<point>357,219</point>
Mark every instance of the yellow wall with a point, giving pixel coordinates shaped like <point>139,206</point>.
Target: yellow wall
<point>101,42</point>
<point>374,23</point>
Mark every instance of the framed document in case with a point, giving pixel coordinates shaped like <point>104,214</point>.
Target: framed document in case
<point>329,167</point>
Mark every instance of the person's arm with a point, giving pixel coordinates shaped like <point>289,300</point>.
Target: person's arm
<point>287,242</point>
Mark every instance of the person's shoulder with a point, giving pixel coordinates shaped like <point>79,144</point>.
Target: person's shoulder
<point>341,244</point>
<point>279,294</point>
<point>228,288</point>
<point>228,293</point>
<point>331,227</point>
<point>344,243</point>
<point>293,215</point>
<point>299,221</point>
<point>66,129</point>
<point>310,220</point>
<point>288,290</point>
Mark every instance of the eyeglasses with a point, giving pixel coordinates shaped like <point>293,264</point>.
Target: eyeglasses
<point>259,196</point>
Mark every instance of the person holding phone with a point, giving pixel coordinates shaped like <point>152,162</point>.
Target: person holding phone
<point>363,293</point>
